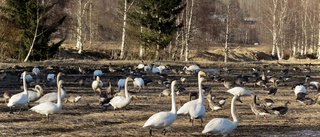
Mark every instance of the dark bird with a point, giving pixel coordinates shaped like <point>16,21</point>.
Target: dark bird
<point>281,110</point>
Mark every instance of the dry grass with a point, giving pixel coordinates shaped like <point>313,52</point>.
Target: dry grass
<point>87,118</point>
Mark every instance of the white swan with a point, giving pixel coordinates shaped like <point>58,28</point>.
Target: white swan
<point>122,101</point>
<point>300,89</point>
<point>97,84</point>
<point>239,91</point>
<point>36,71</point>
<point>20,98</point>
<point>198,110</point>
<point>121,83</point>
<point>28,78</point>
<point>185,108</point>
<point>163,119</point>
<point>53,96</point>
<point>97,73</point>
<point>223,126</point>
<point>47,108</point>
<point>138,82</point>
<point>36,94</point>
<point>193,68</point>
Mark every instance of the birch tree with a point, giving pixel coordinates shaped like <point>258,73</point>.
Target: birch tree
<point>226,50</point>
<point>82,7</point>
<point>189,15</point>
<point>125,10</point>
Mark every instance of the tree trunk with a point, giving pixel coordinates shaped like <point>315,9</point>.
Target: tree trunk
<point>188,30</point>
<point>318,33</point>
<point>274,28</point>
<point>123,29</point>
<point>226,50</point>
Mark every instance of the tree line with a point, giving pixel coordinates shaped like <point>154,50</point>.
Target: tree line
<point>153,29</point>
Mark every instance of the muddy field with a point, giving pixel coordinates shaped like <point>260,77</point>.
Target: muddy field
<point>87,118</point>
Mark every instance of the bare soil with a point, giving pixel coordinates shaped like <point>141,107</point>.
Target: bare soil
<point>87,118</point>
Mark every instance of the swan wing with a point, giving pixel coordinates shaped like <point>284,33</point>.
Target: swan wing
<point>197,110</point>
<point>220,126</point>
<point>45,108</point>
<point>18,99</point>
<point>160,120</point>
<point>32,96</point>
<point>49,97</point>
<point>119,101</point>
<point>186,106</point>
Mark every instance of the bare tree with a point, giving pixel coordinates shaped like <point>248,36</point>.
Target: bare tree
<point>226,49</point>
<point>82,5</point>
<point>126,8</point>
<point>189,15</point>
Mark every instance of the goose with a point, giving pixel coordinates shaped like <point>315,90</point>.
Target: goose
<point>223,126</point>
<point>121,101</point>
<point>197,110</point>
<point>53,96</point>
<point>186,106</point>
<point>138,82</point>
<point>47,108</point>
<point>268,102</point>
<point>165,92</point>
<point>109,89</point>
<point>81,70</point>
<point>97,73</point>
<point>73,99</point>
<point>260,83</point>
<point>281,110</point>
<point>111,69</point>
<point>221,101</point>
<point>6,96</point>
<point>257,109</point>
<point>239,91</point>
<point>213,106</point>
<point>314,85</point>
<point>271,90</point>
<point>97,84</point>
<point>20,98</point>
<point>163,119</point>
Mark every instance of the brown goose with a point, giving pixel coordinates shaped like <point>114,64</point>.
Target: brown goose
<point>257,109</point>
<point>6,96</point>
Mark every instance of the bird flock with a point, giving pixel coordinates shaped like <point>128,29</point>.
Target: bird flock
<point>186,85</point>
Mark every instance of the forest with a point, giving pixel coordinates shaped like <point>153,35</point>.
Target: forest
<point>132,29</point>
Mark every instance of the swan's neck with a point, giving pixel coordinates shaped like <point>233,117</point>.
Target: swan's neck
<point>58,78</point>
<point>201,98</point>
<point>59,95</point>
<point>39,90</point>
<point>24,83</point>
<point>126,89</point>
<point>173,100</point>
<point>233,113</point>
